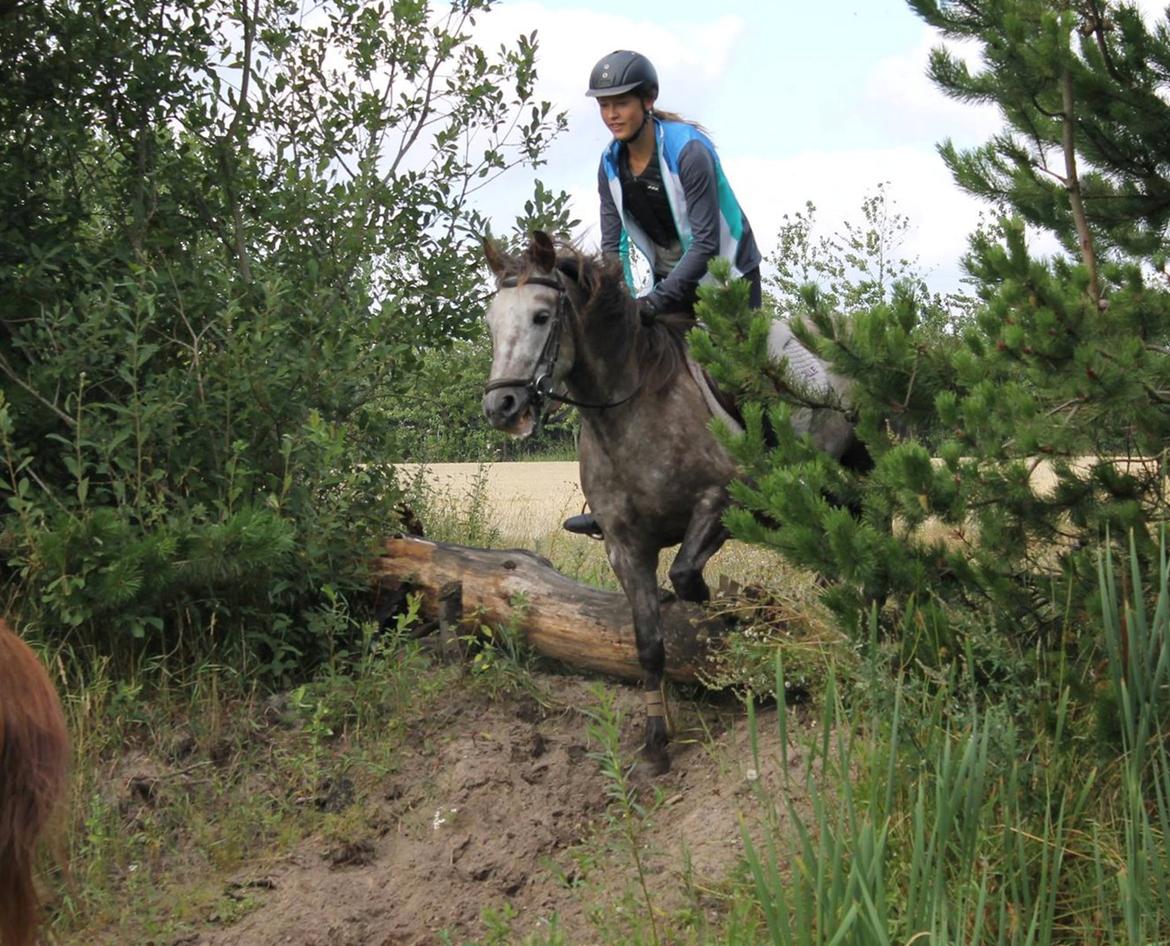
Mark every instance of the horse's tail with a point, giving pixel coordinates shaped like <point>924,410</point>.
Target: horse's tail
<point>34,753</point>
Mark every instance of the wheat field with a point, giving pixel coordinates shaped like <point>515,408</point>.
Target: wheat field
<point>523,504</point>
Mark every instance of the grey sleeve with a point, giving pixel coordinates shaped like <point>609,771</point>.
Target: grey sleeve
<point>696,167</point>
<point>611,220</point>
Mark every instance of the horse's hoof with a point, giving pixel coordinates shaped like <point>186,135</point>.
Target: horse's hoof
<point>655,761</point>
<point>583,524</point>
<point>690,586</point>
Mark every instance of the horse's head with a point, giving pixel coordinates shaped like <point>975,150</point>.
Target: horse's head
<point>532,345</point>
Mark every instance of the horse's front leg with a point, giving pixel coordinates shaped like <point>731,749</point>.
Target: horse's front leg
<point>636,568</point>
<point>705,534</point>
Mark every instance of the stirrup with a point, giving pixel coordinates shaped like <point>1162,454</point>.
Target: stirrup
<point>583,524</point>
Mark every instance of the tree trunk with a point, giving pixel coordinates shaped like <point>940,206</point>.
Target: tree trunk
<point>561,618</point>
<point>1072,184</point>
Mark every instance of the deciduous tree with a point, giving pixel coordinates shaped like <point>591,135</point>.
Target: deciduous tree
<point>230,227</point>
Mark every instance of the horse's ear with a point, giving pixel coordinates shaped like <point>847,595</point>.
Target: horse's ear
<point>496,260</point>
<point>542,251</point>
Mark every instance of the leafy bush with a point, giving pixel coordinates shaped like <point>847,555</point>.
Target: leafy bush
<point>438,417</point>
<point>230,231</point>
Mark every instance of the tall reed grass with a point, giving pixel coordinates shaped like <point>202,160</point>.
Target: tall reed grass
<point>935,822</point>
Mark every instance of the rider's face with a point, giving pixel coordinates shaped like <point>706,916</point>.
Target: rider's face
<point>623,114</point>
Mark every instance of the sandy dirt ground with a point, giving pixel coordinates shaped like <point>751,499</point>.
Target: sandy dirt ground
<point>496,804</point>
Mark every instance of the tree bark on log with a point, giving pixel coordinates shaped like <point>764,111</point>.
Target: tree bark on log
<point>561,618</point>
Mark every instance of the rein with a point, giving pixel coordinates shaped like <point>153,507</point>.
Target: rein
<point>540,385</point>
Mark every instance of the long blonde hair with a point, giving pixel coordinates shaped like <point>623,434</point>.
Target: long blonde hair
<point>666,116</point>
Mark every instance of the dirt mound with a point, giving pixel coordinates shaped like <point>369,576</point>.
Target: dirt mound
<point>498,806</point>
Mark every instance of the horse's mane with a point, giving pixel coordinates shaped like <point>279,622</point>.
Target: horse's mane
<point>605,302</point>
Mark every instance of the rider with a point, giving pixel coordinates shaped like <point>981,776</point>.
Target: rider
<point>662,188</point>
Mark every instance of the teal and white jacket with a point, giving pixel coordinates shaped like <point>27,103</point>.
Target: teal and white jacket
<point>707,216</point>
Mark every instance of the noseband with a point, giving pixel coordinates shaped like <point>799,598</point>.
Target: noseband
<point>540,385</point>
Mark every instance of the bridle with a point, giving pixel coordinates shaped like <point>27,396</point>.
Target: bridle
<point>540,384</point>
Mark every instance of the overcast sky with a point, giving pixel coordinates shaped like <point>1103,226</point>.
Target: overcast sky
<point>817,101</point>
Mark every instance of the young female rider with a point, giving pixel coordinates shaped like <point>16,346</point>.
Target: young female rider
<point>663,189</point>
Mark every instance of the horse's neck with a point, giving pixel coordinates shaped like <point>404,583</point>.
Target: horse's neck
<point>605,367</point>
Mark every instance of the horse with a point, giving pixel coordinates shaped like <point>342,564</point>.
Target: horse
<point>651,469</point>
<point>34,753</point>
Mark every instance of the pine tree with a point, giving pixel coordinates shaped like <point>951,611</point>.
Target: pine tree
<point>1063,364</point>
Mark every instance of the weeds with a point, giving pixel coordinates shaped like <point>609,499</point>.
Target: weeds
<point>625,813</point>
<point>498,925</point>
<point>771,621</point>
<point>502,662</point>
<point>467,517</point>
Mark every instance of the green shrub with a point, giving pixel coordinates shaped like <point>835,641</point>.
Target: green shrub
<point>213,278</point>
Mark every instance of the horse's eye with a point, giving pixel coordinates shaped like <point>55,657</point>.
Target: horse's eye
<point>540,318</point>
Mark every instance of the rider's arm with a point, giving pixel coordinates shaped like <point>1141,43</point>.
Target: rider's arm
<point>611,220</point>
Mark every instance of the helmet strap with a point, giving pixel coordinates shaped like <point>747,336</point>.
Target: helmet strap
<point>647,114</point>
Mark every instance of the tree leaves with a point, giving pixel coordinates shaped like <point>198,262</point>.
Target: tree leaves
<point>230,231</point>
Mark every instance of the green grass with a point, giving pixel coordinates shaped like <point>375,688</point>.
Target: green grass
<point>941,821</point>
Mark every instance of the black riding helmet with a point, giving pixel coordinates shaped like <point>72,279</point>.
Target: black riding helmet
<point>623,71</point>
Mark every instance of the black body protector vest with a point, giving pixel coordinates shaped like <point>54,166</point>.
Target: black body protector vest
<point>644,197</point>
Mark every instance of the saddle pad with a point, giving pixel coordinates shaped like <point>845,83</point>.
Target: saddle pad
<point>713,405</point>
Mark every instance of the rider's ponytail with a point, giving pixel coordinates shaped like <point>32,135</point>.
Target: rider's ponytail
<point>666,116</point>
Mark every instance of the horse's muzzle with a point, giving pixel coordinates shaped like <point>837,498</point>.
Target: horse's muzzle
<point>511,410</point>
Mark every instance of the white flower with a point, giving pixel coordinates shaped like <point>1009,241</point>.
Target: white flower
<point>441,817</point>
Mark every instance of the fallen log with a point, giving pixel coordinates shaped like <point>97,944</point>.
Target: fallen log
<point>561,618</point>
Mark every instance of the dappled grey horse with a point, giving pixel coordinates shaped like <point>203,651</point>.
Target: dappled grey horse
<point>564,327</point>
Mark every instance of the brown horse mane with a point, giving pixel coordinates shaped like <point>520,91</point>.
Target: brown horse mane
<point>659,347</point>
<point>34,751</point>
